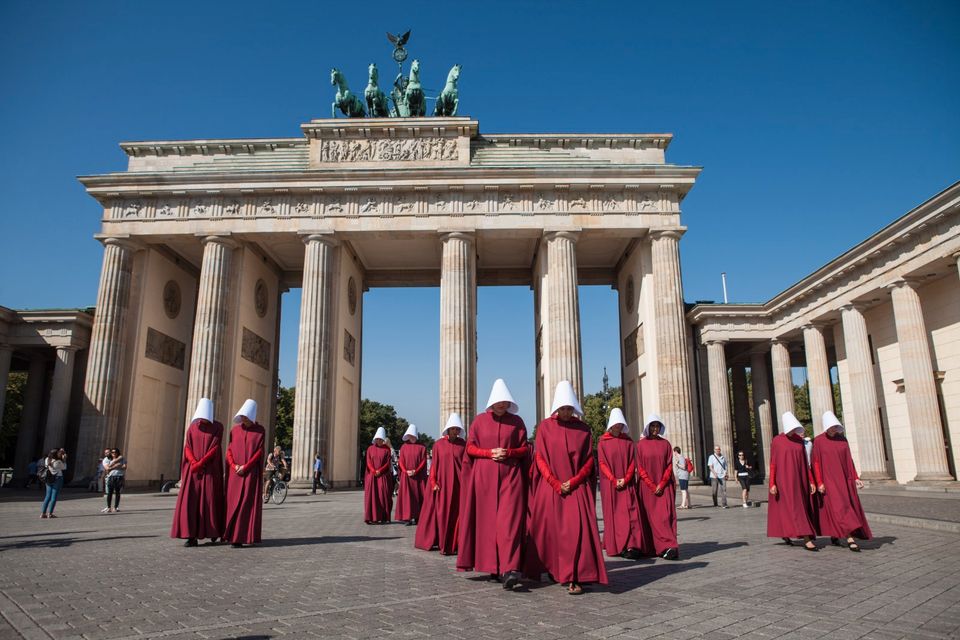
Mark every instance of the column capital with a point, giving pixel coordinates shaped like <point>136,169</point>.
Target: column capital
<point>466,236</point>
<point>782,341</point>
<point>720,342</point>
<point>819,325</point>
<point>854,306</point>
<point>65,347</point>
<point>124,242</point>
<point>675,233</point>
<point>904,281</point>
<point>326,238</point>
<point>219,238</point>
<point>572,236</point>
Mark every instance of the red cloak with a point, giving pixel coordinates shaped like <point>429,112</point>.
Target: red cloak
<point>563,530</point>
<point>199,512</point>
<point>790,512</point>
<point>659,519</point>
<point>437,526</point>
<point>840,512</point>
<point>622,523</point>
<point>377,489</point>
<point>244,492</point>
<point>493,503</point>
<point>413,457</point>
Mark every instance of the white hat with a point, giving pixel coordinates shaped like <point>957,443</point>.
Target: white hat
<point>650,420</point>
<point>381,434</point>
<point>616,417</point>
<point>453,421</point>
<point>830,420</point>
<point>565,396</point>
<point>249,409</point>
<point>790,423</point>
<point>411,431</point>
<point>500,393</point>
<point>204,410</point>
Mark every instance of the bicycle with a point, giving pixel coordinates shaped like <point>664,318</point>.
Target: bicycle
<point>276,489</point>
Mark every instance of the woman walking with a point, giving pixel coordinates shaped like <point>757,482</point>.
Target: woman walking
<point>53,465</point>
<point>681,471</point>
<point>743,477</point>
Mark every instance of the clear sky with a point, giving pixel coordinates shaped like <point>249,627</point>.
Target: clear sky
<point>816,123</point>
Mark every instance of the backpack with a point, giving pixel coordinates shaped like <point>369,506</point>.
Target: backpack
<point>42,471</point>
<point>689,465</point>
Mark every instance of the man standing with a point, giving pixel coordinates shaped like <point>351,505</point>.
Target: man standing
<point>318,476</point>
<point>717,464</point>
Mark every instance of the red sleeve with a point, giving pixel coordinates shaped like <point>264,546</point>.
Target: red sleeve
<point>773,474</point>
<point>384,468</point>
<point>403,469</point>
<point>188,453</point>
<point>230,457</point>
<point>607,473</point>
<point>476,452</point>
<point>370,467</point>
<point>667,474</point>
<point>646,479</point>
<point>420,467</point>
<point>255,458</point>
<point>518,452</point>
<point>809,476</point>
<point>433,475</point>
<point>631,471</point>
<point>585,472</point>
<point>547,474</point>
<point>817,472</point>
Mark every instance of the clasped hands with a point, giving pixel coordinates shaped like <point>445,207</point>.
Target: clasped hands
<point>498,455</point>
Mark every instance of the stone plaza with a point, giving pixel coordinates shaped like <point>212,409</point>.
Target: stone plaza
<point>321,572</point>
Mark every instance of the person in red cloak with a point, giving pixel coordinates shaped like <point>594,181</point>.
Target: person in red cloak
<point>378,481</point>
<point>412,479</point>
<point>440,513</point>
<point>790,509</point>
<point>622,524</point>
<point>244,478</point>
<point>840,513</point>
<point>563,530</point>
<point>493,502</point>
<point>657,491</point>
<point>199,512</point>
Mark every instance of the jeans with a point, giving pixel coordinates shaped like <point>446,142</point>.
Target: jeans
<point>114,487</point>
<point>719,484</point>
<point>53,492</point>
<point>318,482</point>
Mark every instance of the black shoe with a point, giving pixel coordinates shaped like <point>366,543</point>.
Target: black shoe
<point>191,542</point>
<point>671,554</point>
<point>236,545</point>
<point>408,523</point>
<point>813,548</point>
<point>835,542</point>
<point>511,580</point>
<point>853,546</point>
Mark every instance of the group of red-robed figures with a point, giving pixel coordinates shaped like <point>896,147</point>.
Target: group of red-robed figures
<point>813,487</point>
<point>216,501</point>
<point>510,511</point>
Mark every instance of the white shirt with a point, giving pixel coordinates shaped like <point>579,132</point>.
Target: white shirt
<point>718,466</point>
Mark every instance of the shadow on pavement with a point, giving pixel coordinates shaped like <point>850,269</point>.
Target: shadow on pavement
<point>626,580</point>
<point>693,519</point>
<point>45,533</point>
<point>694,549</point>
<point>297,542</point>
<point>63,542</point>
<point>876,543</point>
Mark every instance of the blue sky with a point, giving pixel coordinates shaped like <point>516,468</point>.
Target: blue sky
<point>816,123</point>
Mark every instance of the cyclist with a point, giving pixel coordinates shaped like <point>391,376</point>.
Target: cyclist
<point>275,470</point>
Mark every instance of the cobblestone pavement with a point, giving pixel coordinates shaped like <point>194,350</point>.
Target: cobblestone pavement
<point>322,573</point>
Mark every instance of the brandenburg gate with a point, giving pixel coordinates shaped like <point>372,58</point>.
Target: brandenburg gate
<point>201,238</point>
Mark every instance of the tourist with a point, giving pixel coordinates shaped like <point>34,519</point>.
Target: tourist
<point>200,501</point>
<point>494,504</point>
<point>104,463</point>
<point>440,513</point>
<point>840,515</point>
<point>318,476</point>
<point>790,509</point>
<point>52,470</point>
<point>116,470</point>
<point>244,512</point>
<point>657,492</point>
<point>412,463</point>
<point>743,477</point>
<point>717,464</point>
<point>378,481</point>
<point>682,468</point>
<point>276,468</point>
<point>617,455</point>
<point>565,541</point>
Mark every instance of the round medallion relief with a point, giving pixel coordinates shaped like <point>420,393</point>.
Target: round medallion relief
<point>171,299</point>
<point>260,298</point>
<point>352,295</point>
<point>628,298</point>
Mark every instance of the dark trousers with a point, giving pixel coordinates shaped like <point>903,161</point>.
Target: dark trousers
<point>318,482</point>
<point>114,488</point>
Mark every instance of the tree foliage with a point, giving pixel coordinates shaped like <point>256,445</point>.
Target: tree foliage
<point>284,428</point>
<point>374,415</point>
<point>12,410</point>
<point>597,406</point>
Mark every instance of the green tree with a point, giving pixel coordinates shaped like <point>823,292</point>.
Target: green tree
<point>284,430</point>
<point>597,406</point>
<point>374,415</point>
<point>801,406</point>
<point>12,411</point>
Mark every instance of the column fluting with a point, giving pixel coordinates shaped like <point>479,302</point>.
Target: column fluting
<point>720,401</point>
<point>818,374</point>
<point>563,312</point>
<point>54,435</point>
<point>458,327</point>
<point>782,379</point>
<point>761,407</point>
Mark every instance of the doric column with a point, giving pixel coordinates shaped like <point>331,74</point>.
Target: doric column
<point>210,327</point>
<point>782,379</point>
<point>818,374</point>
<point>761,408</point>
<point>563,312</point>
<point>458,326</point>
<point>54,435</point>
<point>30,417</point>
<point>98,423</point>
<point>720,401</point>
<point>741,411</point>
<point>863,395</point>
<point>670,326</point>
<point>919,384</point>
<point>5,354</point>
<point>311,417</point>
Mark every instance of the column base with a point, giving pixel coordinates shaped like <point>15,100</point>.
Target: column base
<point>932,478</point>
<point>875,476</point>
